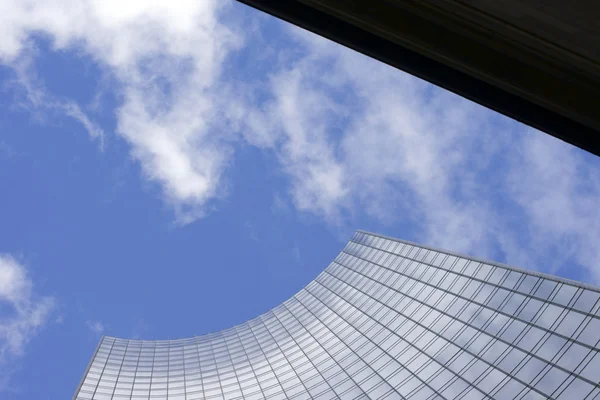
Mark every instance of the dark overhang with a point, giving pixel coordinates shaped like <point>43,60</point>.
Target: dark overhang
<point>537,61</point>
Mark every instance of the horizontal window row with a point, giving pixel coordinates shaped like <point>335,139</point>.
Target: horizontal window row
<point>545,315</point>
<point>399,251</point>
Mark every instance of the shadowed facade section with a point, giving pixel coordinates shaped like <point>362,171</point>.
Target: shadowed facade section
<point>535,61</point>
<point>387,319</point>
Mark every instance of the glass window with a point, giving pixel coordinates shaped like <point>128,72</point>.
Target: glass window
<point>532,307</point>
<point>587,300</point>
<point>551,381</point>
<point>591,333</point>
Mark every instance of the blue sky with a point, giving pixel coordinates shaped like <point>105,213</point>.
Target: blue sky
<point>170,169</point>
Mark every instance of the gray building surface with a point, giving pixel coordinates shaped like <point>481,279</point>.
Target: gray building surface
<point>387,319</point>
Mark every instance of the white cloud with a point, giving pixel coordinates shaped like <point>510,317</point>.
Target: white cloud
<point>74,111</point>
<point>167,57</point>
<point>96,327</point>
<point>306,154</point>
<point>251,231</point>
<point>368,138</point>
<point>558,190</point>
<point>38,101</point>
<point>23,311</point>
<point>139,329</point>
<point>354,136</point>
<point>391,145</point>
<point>296,253</point>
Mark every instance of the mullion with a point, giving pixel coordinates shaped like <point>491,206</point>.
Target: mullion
<point>286,357</point>
<point>324,348</point>
<point>376,345</point>
<point>411,344</point>
<point>153,368</point>
<point>244,345</point>
<point>218,375</point>
<point>471,318</point>
<point>137,365</point>
<point>465,350</point>
<point>268,362</point>
<point>498,311</point>
<point>112,345</point>
<point>120,368</point>
<point>197,345</point>
<point>530,273</point>
<point>233,366</point>
<point>505,326</point>
<point>334,337</point>
<point>393,281</point>
<point>305,354</point>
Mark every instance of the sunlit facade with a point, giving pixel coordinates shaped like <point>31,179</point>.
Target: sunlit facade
<point>388,319</point>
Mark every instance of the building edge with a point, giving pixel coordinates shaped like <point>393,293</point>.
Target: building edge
<point>554,278</point>
<point>88,367</point>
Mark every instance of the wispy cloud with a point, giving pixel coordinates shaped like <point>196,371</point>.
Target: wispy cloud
<point>139,329</point>
<point>74,111</point>
<point>23,312</point>
<point>251,231</point>
<point>167,58</point>
<point>557,189</point>
<point>296,253</point>
<point>96,327</point>
<point>6,151</point>
<point>372,140</point>
<point>353,136</point>
<point>34,97</point>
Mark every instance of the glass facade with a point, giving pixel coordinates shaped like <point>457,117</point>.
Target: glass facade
<point>388,319</point>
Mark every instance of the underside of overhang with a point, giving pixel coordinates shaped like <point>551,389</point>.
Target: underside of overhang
<point>537,62</point>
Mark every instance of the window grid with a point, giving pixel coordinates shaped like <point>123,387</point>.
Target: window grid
<point>376,345</point>
<point>480,330</point>
<point>254,375</point>
<point>416,373</point>
<point>265,355</point>
<point>499,311</point>
<point>327,352</point>
<point>356,384</point>
<point>458,333</point>
<point>541,280</point>
<point>387,319</point>
<point>303,352</point>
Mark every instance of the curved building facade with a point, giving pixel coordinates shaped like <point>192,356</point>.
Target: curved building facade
<point>387,319</point>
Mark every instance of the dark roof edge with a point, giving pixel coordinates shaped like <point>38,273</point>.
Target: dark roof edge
<point>435,72</point>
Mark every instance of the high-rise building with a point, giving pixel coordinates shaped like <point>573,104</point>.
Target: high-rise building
<point>388,319</point>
